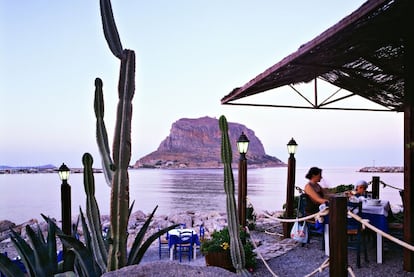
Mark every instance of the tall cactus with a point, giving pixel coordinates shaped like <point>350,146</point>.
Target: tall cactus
<point>116,171</point>
<point>236,246</point>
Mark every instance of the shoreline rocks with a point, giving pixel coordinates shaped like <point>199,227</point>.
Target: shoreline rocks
<point>213,220</point>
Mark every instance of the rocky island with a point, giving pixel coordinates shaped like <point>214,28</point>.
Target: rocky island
<point>195,143</point>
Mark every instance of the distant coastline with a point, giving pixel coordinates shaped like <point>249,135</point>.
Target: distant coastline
<point>384,169</point>
<point>4,169</point>
<point>53,169</point>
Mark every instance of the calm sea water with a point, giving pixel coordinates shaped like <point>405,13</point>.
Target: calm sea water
<point>26,196</point>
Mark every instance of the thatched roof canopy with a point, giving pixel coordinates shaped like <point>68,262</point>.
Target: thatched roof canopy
<point>363,53</point>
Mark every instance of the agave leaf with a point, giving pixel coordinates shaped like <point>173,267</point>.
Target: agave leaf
<point>25,252</point>
<point>130,209</point>
<point>86,234</point>
<point>136,254</point>
<point>8,268</point>
<point>85,257</point>
<point>43,266</point>
<point>51,246</point>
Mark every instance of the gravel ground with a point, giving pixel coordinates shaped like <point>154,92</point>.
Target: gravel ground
<point>301,261</point>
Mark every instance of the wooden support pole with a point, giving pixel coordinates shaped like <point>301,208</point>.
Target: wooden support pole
<point>375,187</point>
<point>408,139</point>
<point>242,195</point>
<point>290,194</point>
<point>338,243</point>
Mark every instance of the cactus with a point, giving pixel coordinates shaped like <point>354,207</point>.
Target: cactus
<point>236,246</point>
<point>116,171</point>
<point>93,252</point>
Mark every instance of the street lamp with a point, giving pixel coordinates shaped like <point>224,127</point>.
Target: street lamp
<point>290,190</point>
<point>65,200</point>
<point>242,146</point>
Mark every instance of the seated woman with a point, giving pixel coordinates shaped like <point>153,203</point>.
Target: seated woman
<point>314,191</point>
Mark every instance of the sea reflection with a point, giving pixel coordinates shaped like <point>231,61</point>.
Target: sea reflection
<point>26,196</point>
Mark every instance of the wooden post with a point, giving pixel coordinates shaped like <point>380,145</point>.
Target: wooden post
<point>290,194</point>
<point>408,141</point>
<point>338,241</point>
<point>242,195</point>
<point>375,187</point>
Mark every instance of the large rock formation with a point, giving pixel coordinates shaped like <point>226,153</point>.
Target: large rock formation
<point>196,143</point>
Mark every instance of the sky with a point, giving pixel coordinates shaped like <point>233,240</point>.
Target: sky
<point>189,54</point>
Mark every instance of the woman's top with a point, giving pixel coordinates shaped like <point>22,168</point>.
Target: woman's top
<point>311,205</point>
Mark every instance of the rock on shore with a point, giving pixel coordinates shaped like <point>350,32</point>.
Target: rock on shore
<point>270,245</point>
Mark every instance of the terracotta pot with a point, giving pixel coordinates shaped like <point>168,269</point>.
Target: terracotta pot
<point>220,259</point>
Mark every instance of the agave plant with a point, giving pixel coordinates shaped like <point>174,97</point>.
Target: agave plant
<point>39,256</point>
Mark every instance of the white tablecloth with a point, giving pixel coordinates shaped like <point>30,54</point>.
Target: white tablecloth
<point>381,209</point>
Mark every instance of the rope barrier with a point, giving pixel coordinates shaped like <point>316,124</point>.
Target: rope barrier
<point>272,233</point>
<point>260,255</point>
<point>351,272</point>
<point>317,215</point>
<point>386,185</point>
<point>324,265</point>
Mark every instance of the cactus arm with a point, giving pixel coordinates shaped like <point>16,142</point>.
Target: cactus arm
<point>236,246</point>
<point>110,30</point>
<point>93,215</point>
<point>122,155</point>
<point>101,134</point>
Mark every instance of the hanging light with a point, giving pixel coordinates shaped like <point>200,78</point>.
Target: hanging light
<point>64,172</point>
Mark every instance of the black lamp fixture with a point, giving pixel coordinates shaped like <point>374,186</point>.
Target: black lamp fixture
<point>291,146</point>
<point>65,194</point>
<point>64,173</point>
<point>243,144</point>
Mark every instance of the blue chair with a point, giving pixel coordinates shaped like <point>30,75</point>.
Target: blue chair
<point>202,232</point>
<point>314,228</point>
<point>163,245</point>
<point>356,237</point>
<point>185,244</point>
<point>17,261</point>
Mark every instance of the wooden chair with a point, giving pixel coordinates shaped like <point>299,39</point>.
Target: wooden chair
<point>185,244</point>
<point>163,245</point>
<point>314,228</point>
<point>356,236</point>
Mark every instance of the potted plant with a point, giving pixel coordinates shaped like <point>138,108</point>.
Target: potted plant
<point>217,250</point>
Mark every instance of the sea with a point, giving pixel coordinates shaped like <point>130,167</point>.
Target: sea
<point>27,196</point>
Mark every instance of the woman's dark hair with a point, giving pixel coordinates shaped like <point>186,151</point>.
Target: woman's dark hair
<point>313,171</point>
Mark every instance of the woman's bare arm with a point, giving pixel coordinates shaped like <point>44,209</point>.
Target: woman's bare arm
<point>313,195</point>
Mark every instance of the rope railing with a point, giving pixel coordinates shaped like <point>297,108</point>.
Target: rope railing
<point>260,255</point>
<point>386,185</point>
<point>317,216</point>
<point>321,268</point>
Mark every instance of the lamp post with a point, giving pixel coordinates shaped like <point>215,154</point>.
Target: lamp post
<point>242,146</point>
<point>65,200</point>
<point>290,190</point>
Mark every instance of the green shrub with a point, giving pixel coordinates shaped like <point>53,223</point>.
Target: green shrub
<point>220,242</point>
